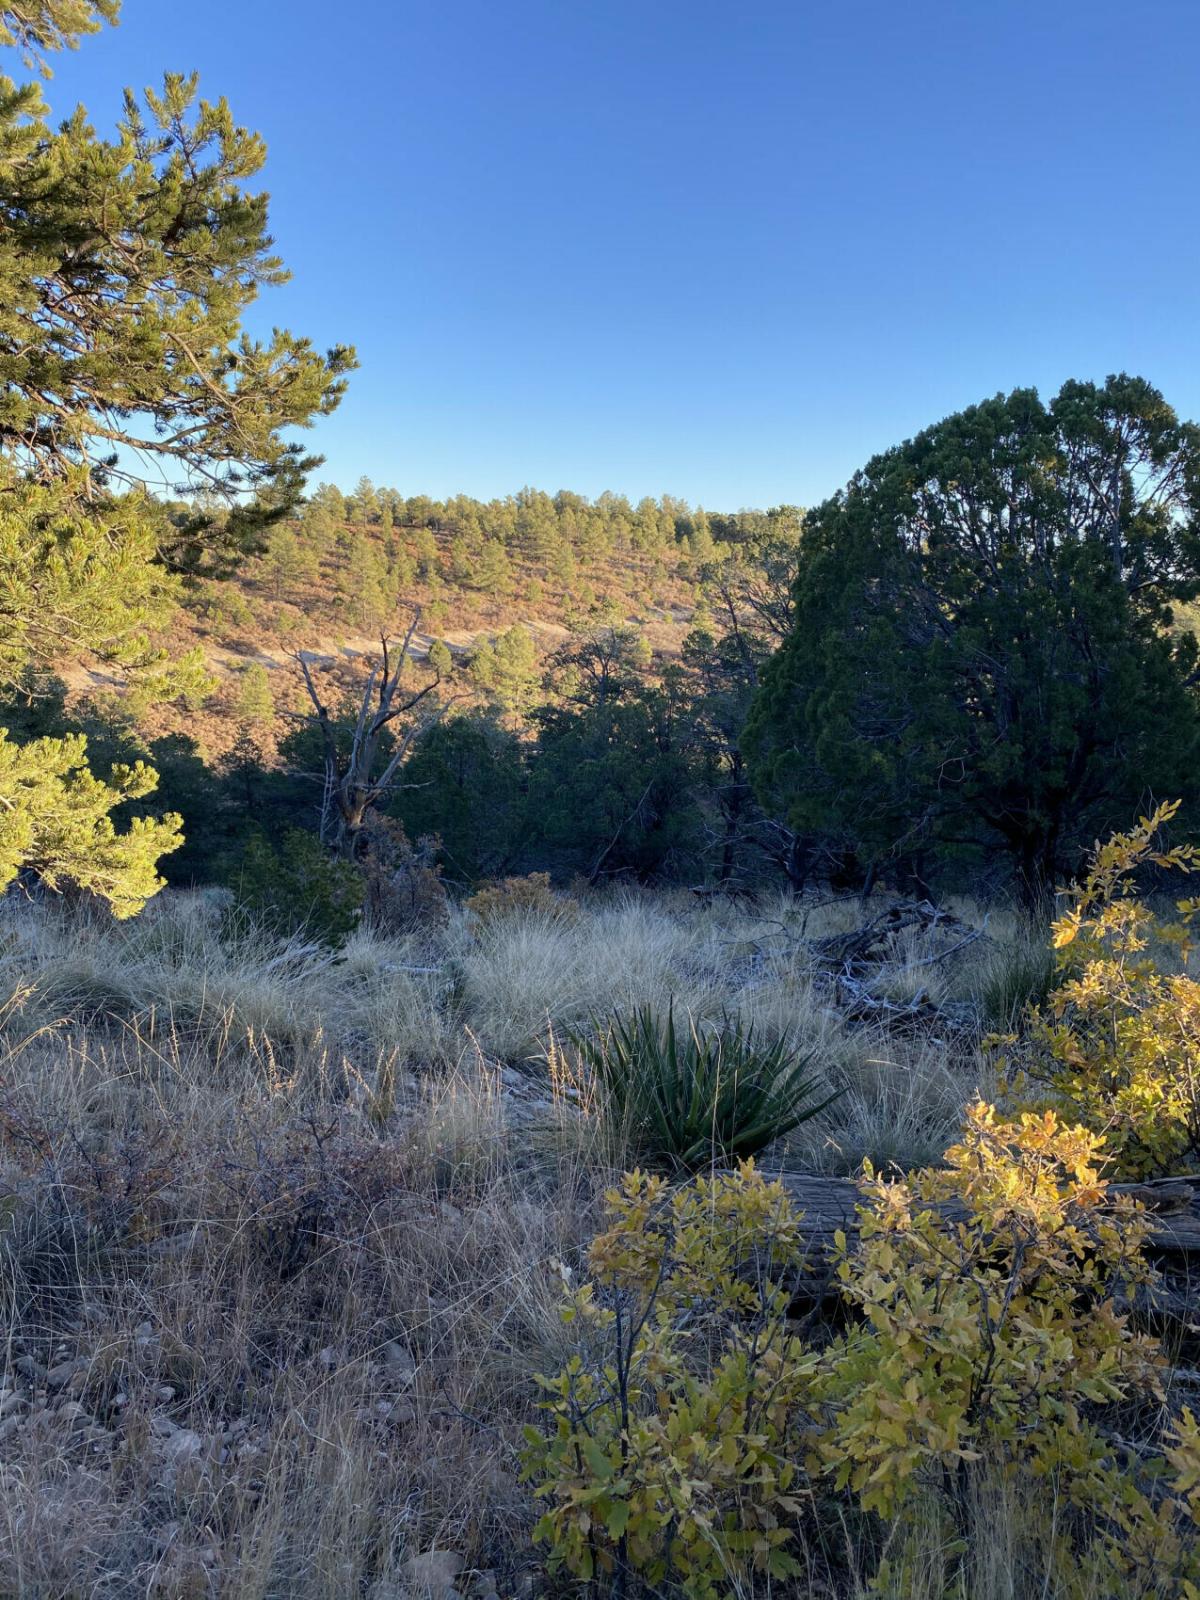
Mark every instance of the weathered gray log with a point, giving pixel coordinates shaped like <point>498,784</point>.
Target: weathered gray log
<point>1173,1207</point>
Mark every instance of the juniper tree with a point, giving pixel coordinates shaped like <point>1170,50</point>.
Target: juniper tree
<point>981,656</point>
<point>126,266</point>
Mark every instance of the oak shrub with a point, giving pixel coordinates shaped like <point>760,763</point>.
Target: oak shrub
<point>1115,1044</point>
<point>698,1440</point>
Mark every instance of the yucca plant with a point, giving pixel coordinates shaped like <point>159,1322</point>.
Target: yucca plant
<point>686,1098</point>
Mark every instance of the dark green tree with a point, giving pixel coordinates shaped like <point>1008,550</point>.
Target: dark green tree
<point>980,658</point>
<point>465,783</point>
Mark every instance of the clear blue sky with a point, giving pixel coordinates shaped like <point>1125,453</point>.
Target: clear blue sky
<point>726,251</point>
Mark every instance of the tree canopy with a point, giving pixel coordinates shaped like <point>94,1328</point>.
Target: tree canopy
<point>980,655</point>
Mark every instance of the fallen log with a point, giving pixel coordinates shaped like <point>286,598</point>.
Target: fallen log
<point>1170,1306</point>
<point>1173,1205</point>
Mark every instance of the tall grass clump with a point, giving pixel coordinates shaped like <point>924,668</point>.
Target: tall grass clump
<point>687,1097</point>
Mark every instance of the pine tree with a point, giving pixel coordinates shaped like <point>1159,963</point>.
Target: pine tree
<point>157,248</point>
<point>508,667</point>
<point>366,592</point>
<point>54,821</point>
<point>288,564</point>
<point>493,574</point>
<point>255,702</point>
<point>440,658</point>
<point>428,565</point>
<point>364,504</point>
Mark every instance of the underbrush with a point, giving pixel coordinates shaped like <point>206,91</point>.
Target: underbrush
<point>290,1015</point>
<point>286,1233</point>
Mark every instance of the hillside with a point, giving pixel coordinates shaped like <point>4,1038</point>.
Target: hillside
<point>354,567</point>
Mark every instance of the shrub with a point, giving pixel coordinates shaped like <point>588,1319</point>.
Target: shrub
<point>508,896</point>
<point>990,1334</point>
<point>685,1099</point>
<point>297,886</point>
<point>988,1371</point>
<point>402,883</point>
<point>1116,1044</point>
<point>677,1422</point>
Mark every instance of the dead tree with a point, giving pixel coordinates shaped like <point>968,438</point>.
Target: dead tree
<point>353,785</point>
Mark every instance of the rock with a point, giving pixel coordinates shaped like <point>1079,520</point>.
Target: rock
<point>433,1573</point>
<point>29,1368</point>
<point>401,1366</point>
<point>59,1376</point>
<point>11,1401</point>
<point>183,1445</point>
<point>483,1583</point>
<point>10,1425</point>
<point>329,1357</point>
<point>71,1414</point>
<point>163,1427</point>
<point>165,1393</point>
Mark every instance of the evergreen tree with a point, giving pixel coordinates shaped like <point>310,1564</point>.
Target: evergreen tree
<point>465,782</point>
<point>255,702</point>
<point>980,657</point>
<point>40,25</point>
<point>508,668</point>
<point>54,821</point>
<point>426,549</point>
<point>610,792</point>
<point>462,563</point>
<point>366,593</point>
<point>563,568</point>
<point>493,573</point>
<point>288,564</point>
<point>364,504</point>
<point>126,265</point>
<point>440,658</point>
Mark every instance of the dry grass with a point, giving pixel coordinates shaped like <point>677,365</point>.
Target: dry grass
<point>285,1244</point>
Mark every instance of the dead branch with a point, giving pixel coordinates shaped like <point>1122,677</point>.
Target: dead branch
<point>354,783</point>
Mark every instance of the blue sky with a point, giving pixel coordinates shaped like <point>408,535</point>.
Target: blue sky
<point>725,251</point>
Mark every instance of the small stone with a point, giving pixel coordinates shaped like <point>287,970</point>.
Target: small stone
<point>10,1425</point>
<point>163,1427</point>
<point>328,1357</point>
<point>11,1402</point>
<point>165,1393</point>
<point>433,1573</point>
<point>59,1376</point>
<point>483,1583</point>
<point>71,1413</point>
<point>29,1368</point>
<point>401,1365</point>
<point>184,1445</point>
